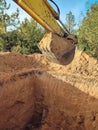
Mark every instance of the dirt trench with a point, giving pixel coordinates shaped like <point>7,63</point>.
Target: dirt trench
<point>39,95</point>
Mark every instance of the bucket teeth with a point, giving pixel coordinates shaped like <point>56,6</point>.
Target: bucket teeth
<point>57,49</point>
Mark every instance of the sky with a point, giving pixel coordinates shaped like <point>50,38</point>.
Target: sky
<point>75,6</point>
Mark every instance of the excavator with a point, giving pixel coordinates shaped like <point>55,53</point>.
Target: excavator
<point>61,49</point>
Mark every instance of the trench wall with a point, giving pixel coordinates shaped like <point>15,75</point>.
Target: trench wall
<point>35,96</point>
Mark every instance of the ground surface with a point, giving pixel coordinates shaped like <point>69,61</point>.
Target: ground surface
<point>55,96</point>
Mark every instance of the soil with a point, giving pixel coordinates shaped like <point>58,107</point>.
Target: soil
<point>36,94</point>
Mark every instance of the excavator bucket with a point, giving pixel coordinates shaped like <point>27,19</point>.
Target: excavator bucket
<point>57,49</point>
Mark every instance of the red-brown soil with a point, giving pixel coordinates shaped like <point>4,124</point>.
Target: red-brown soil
<point>38,95</point>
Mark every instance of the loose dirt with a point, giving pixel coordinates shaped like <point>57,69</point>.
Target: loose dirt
<point>36,94</point>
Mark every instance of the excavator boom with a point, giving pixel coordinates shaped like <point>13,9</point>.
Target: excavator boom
<point>62,51</point>
<point>43,13</point>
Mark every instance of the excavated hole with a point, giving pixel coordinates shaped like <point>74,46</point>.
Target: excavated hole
<point>38,95</point>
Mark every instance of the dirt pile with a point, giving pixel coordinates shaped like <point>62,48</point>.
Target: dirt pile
<point>38,95</point>
<point>81,73</point>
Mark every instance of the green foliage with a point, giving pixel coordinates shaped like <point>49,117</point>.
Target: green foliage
<point>31,34</point>
<point>2,44</point>
<point>24,39</point>
<point>88,32</point>
<point>20,49</point>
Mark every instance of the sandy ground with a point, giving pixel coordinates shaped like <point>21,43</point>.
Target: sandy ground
<point>70,92</point>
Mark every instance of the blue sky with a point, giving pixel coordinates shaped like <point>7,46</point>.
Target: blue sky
<point>75,6</point>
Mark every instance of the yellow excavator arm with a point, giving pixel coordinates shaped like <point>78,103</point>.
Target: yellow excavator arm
<point>43,13</point>
<point>61,52</point>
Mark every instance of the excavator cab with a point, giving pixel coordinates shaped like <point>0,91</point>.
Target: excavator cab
<point>58,45</point>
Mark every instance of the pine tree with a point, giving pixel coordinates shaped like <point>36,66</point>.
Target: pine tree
<point>70,21</point>
<point>7,20</point>
<point>88,32</point>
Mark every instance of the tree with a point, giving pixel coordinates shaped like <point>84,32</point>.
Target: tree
<point>10,40</point>
<point>2,44</point>
<point>23,39</point>
<point>88,32</point>
<point>70,21</point>
<point>7,20</point>
<point>29,35</point>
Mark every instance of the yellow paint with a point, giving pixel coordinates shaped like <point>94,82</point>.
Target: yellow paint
<point>43,13</point>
